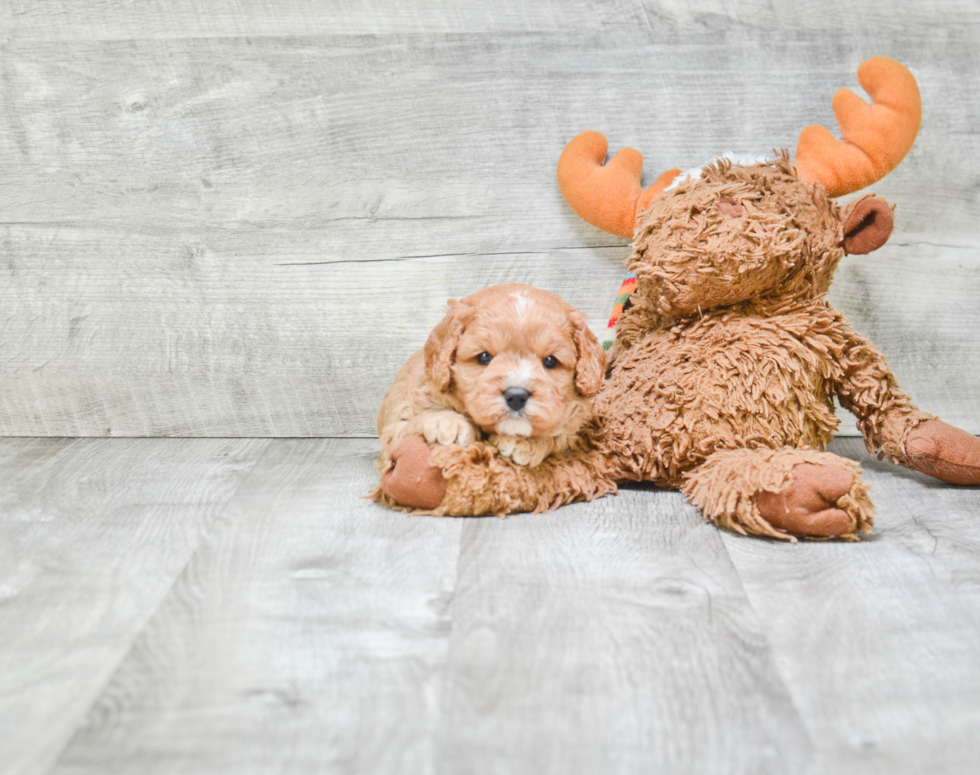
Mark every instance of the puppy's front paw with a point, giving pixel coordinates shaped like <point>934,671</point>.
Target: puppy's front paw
<point>523,451</point>
<point>447,428</point>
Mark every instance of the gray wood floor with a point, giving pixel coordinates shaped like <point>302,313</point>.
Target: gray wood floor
<point>235,606</point>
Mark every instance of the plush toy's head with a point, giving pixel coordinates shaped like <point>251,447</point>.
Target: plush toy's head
<point>764,232</point>
<point>742,233</point>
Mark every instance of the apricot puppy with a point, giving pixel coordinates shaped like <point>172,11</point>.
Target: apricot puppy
<point>512,364</point>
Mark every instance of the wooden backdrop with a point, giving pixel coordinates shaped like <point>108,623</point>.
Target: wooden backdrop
<point>239,218</point>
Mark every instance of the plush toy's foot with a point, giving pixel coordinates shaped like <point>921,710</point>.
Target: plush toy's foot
<point>944,451</point>
<point>783,493</point>
<point>411,481</point>
<point>807,504</point>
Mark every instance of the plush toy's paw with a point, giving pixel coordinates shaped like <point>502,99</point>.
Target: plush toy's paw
<point>944,451</point>
<point>447,428</point>
<point>783,493</point>
<point>523,451</point>
<point>412,481</point>
<point>808,505</point>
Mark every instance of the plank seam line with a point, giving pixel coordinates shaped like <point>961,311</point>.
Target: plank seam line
<point>759,622</point>
<point>111,674</point>
<point>183,438</point>
<point>268,438</point>
<point>475,254</point>
<point>443,684</point>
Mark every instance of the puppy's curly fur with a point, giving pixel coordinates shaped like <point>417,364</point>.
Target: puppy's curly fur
<point>511,364</point>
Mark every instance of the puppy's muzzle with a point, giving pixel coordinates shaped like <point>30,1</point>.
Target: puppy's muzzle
<point>516,398</point>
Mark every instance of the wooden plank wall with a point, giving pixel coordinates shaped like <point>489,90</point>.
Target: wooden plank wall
<point>239,218</point>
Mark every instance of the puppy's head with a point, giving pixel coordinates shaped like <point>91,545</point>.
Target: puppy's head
<point>519,360</point>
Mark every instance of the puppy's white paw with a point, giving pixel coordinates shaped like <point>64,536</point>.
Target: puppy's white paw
<point>523,451</point>
<point>447,428</point>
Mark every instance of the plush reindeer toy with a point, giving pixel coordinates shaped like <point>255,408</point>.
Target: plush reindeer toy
<point>727,353</point>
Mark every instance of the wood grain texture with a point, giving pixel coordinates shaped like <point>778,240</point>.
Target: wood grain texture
<point>262,344</point>
<point>313,631</point>
<point>160,194</point>
<point>85,19</point>
<point>92,536</point>
<point>610,637</point>
<point>113,19</point>
<point>878,646</point>
<point>307,635</point>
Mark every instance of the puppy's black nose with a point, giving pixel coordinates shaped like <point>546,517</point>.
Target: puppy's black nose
<point>516,398</point>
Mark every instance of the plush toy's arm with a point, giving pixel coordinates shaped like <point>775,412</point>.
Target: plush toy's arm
<point>891,423</point>
<point>474,480</point>
<point>885,414</point>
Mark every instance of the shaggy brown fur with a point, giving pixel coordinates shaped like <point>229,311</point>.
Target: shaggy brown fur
<point>726,364</point>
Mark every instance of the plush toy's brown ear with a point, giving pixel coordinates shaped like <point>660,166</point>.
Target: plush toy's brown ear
<point>440,349</point>
<point>590,368</point>
<point>868,223</point>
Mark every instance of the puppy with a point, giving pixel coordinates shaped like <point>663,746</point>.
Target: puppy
<point>511,364</point>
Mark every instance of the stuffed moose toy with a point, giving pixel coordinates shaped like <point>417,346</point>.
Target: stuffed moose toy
<point>727,354</point>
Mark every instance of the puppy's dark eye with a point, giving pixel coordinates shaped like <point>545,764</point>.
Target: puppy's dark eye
<point>484,358</point>
<point>550,362</point>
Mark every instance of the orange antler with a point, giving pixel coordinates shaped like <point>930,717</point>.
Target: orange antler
<point>607,196</point>
<point>876,137</point>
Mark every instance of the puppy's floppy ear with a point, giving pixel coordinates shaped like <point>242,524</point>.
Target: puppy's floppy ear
<point>590,367</point>
<point>440,349</point>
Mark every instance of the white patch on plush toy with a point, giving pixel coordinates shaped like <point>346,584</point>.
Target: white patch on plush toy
<point>745,159</point>
<point>514,427</point>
